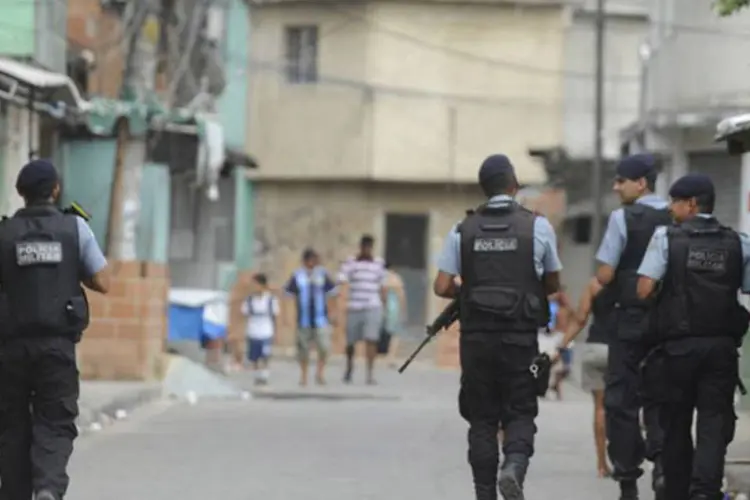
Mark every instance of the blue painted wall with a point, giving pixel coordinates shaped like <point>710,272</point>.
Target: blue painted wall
<point>88,173</point>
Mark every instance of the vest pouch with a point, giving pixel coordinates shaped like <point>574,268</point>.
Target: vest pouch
<point>533,308</point>
<point>77,311</point>
<point>502,302</point>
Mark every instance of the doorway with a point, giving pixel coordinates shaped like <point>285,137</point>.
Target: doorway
<point>406,252</point>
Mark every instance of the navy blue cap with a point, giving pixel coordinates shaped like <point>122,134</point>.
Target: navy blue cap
<point>495,165</point>
<point>692,185</point>
<point>636,167</point>
<point>37,178</point>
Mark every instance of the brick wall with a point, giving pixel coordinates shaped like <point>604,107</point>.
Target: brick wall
<point>101,31</point>
<point>127,334</point>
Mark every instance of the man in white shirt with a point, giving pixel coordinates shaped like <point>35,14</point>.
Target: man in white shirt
<point>261,309</point>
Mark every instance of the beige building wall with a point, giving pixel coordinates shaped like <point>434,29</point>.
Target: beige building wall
<point>486,79</point>
<point>309,130</point>
<point>407,92</point>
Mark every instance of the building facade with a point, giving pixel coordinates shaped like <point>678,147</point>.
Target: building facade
<point>692,82</point>
<point>626,29</point>
<point>374,117</point>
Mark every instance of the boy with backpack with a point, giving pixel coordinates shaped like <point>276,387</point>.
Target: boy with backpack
<point>261,309</point>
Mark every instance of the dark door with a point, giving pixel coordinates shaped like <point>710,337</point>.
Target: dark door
<point>406,252</point>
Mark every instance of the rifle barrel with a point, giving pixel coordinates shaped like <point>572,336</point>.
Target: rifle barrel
<point>415,353</point>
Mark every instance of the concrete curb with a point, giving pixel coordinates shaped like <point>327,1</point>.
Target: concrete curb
<point>321,395</point>
<point>96,417</point>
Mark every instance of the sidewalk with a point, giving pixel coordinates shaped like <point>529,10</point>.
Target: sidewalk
<point>101,402</point>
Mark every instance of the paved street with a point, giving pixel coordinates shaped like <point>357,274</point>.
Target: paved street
<point>400,440</point>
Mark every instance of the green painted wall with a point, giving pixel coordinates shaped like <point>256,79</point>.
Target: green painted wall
<point>153,220</point>
<point>88,173</point>
<point>244,220</point>
<point>17,34</point>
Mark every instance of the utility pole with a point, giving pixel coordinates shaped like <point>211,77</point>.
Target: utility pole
<point>597,164</point>
<point>130,154</point>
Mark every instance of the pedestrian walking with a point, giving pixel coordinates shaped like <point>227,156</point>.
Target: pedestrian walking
<point>506,257</point>
<point>364,277</point>
<point>261,309</point>
<point>314,294</point>
<point>599,303</point>
<point>45,255</point>
<point>699,324</point>
<point>621,251</point>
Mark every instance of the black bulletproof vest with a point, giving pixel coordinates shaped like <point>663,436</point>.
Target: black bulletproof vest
<point>602,316</point>
<point>640,222</point>
<point>40,273</point>
<point>500,290</point>
<point>699,293</point>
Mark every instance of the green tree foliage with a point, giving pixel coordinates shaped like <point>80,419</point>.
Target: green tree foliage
<point>729,7</point>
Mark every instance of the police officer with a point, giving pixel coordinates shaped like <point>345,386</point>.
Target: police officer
<point>700,323</point>
<point>625,240</point>
<point>44,257</point>
<point>507,260</point>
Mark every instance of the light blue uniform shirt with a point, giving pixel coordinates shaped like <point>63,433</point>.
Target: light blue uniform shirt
<point>91,256</point>
<point>616,235</point>
<point>546,259</point>
<point>654,263</point>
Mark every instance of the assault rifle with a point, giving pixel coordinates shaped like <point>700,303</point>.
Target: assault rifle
<point>445,319</point>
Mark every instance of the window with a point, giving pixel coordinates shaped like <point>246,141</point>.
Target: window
<point>301,54</point>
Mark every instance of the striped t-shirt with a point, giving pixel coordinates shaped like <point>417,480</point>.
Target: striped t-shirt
<point>365,279</point>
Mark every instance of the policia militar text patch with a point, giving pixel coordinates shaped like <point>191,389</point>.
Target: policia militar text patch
<point>707,259</point>
<point>496,244</point>
<point>31,253</point>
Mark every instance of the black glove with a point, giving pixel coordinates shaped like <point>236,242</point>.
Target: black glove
<point>540,368</point>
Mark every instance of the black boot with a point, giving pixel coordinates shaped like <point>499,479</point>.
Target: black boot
<point>485,491</point>
<point>628,490</point>
<point>512,476</point>
<point>657,481</point>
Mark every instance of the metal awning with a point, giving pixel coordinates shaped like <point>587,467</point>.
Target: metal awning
<point>733,125</point>
<point>701,117</point>
<point>735,131</point>
<point>52,92</point>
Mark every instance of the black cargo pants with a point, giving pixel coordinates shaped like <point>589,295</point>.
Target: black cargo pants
<point>497,386</point>
<point>624,396</point>
<point>701,374</point>
<point>38,407</point>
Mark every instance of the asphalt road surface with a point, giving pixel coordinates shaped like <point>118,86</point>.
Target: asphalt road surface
<point>400,440</point>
